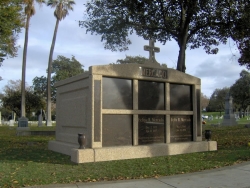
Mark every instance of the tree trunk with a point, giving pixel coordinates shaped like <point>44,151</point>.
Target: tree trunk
<point>183,34</point>
<point>23,113</point>
<point>48,122</point>
<point>181,58</point>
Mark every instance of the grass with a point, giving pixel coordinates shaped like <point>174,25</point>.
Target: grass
<point>26,161</point>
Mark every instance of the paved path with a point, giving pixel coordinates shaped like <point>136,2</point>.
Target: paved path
<point>236,176</point>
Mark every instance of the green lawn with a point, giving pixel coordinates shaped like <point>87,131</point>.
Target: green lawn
<point>26,161</point>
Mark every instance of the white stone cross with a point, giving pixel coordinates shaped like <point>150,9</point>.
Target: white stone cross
<point>152,49</point>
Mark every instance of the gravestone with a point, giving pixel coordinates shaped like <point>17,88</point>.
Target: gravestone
<point>11,123</point>
<point>22,122</point>
<point>229,117</point>
<point>129,111</point>
<point>22,125</point>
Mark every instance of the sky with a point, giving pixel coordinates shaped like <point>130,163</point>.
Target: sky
<point>215,71</point>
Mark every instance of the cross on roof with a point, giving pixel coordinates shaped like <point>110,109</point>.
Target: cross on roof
<point>152,49</point>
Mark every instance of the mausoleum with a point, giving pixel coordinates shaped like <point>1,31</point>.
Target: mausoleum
<point>129,111</point>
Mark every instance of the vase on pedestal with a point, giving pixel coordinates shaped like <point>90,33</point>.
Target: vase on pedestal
<point>81,140</point>
<point>208,134</point>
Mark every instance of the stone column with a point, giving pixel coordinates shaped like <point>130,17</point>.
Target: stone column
<point>229,117</point>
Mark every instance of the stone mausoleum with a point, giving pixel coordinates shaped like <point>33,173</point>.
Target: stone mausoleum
<point>129,111</point>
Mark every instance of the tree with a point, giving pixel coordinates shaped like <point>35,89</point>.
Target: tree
<point>62,8</point>
<point>12,102</point>
<point>11,23</point>
<point>14,85</point>
<point>29,12</point>
<point>244,48</point>
<point>40,86</point>
<point>135,59</point>
<point>131,59</point>
<point>5,113</point>
<point>62,68</point>
<point>241,33</point>
<point>204,101</point>
<point>217,100</point>
<point>240,90</point>
<point>190,23</point>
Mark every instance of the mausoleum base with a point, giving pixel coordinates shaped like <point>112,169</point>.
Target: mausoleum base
<point>129,152</point>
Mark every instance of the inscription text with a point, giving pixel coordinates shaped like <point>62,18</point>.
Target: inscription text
<point>150,72</point>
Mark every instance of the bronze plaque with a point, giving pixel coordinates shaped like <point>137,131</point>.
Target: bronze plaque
<point>151,129</point>
<point>181,128</point>
<point>117,130</point>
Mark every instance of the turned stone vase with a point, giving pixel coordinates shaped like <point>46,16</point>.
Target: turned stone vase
<point>81,140</point>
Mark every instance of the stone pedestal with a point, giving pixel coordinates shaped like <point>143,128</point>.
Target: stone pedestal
<point>48,123</point>
<point>22,125</point>
<point>22,122</point>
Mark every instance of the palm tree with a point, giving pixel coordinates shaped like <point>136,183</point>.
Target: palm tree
<point>62,8</point>
<point>29,12</point>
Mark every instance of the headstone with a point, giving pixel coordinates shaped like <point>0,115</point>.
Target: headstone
<point>129,111</point>
<point>211,118</point>
<point>22,122</point>
<point>229,117</point>
<point>22,126</point>
<point>11,123</point>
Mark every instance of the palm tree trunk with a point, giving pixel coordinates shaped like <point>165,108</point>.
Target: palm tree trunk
<point>24,66</point>
<point>48,123</point>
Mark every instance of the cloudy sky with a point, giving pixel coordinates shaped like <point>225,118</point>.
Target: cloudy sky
<point>215,71</point>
